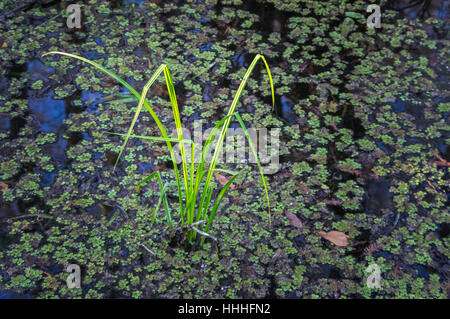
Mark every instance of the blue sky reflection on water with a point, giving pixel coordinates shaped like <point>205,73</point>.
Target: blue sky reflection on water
<point>48,112</point>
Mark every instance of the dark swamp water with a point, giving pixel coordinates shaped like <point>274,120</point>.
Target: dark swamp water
<point>364,149</point>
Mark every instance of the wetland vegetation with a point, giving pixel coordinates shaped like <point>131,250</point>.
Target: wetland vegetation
<point>363,172</point>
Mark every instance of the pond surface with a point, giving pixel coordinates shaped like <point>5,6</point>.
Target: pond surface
<point>364,140</point>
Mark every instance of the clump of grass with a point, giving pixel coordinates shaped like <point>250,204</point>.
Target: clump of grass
<point>196,206</point>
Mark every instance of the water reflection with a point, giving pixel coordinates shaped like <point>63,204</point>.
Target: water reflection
<point>50,113</point>
<point>38,70</point>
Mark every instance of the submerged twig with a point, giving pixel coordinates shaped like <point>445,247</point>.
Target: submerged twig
<point>203,233</point>
<point>196,223</point>
<point>148,250</point>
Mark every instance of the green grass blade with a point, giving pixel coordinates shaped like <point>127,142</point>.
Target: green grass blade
<point>217,204</point>
<point>139,107</point>
<point>208,197</point>
<point>207,203</point>
<point>190,209</point>
<point>160,199</point>
<point>231,111</point>
<point>98,66</point>
<point>118,79</point>
<point>200,170</point>
<point>255,154</point>
<point>147,106</point>
<point>192,167</point>
<point>156,138</point>
<point>176,116</point>
<point>270,79</point>
<point>162,196</point>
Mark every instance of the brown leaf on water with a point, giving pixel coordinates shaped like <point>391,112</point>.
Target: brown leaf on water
<point>223,180</point>
<point>336,237</point>
<point>3,186</point>
<point>442,162</point>
<point>294,220</point>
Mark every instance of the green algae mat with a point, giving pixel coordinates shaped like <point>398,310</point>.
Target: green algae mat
<point>359,197</point>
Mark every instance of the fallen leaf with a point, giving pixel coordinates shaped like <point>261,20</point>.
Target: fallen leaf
<point>442,162</point>
<point>3,186</point>
<point>223,180</point>
<point>336,237</point>
<point>294,220</point>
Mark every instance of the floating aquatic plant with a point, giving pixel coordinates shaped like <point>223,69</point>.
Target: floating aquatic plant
<point>196,206</point>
